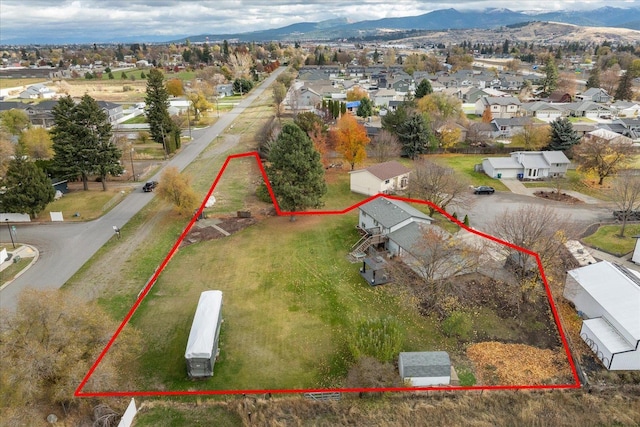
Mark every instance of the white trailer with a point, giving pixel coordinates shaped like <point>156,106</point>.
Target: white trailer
<point>202,346</point>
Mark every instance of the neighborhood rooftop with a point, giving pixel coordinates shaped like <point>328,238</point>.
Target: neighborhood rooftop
<point>386,170</point>
<point>390,212</point>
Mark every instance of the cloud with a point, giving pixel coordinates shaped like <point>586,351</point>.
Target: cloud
<point>109,19</point>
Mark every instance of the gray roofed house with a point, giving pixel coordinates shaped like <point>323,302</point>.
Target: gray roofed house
<point>527,165</point>
<point>391,214</point>
<point>500,107</point>
<point>425,368</point>
<point>595,94</point>
<point>511,126</point>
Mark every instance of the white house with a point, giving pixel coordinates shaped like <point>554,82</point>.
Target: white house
<point>636,251</point>
<point>608,298</point>
<point>384,177</point>
<point>502,107</point>
<point>425,368</point>
<point>527,165</point>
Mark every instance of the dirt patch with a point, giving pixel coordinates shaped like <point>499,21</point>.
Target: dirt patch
<point>209,229</point>
<point>558,197</point>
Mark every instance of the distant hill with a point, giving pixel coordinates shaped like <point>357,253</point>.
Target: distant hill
<point>443,19</point>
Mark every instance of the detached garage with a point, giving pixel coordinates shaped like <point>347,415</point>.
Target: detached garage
<point>202,346</point>
<point>425,368</point>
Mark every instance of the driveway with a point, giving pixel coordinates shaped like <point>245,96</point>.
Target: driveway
<point>64,248</point>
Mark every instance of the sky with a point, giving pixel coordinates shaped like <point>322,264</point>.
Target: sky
<point>103,20</point>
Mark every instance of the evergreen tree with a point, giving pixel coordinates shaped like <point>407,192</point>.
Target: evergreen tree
<point>424,88</point>
<point>625,87</point>
<point>550,81</point>
<point>82,141</point>
<point>295,171</point>
<point>28,189</point>
<point>563,137</point>
<point>157,109</point>
<point>394,119</point>
<point>343,108</point>
<point>365,109</point>
<point>594,78</point>
<point>414,136</point>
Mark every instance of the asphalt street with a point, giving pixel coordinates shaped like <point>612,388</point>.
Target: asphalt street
<point>64,248</point>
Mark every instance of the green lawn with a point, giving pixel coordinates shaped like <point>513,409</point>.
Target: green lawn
<point>136,120</point>
<point>287,286</point>
<point>15,268</point>
<point>607,239</point>
<point>88,204</point>
<point>574,181</point>
<point>464,164</point>
<point>164,416</point>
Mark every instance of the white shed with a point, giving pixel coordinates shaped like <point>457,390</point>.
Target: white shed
<point>202,345</point>
<point>425,368</point>
<point>608,298</point>
<point>636,251</point>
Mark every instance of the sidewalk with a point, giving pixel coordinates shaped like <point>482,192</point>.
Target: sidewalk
<point>24,251</point>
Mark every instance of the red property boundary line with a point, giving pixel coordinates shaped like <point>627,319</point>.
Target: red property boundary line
<point>174,249</point>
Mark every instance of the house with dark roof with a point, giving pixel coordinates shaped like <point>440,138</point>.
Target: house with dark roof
<point>595,94</point>
<point>388,177</point>
<point>512,126</point>
<point>527,165</point>
<point>542,110</point>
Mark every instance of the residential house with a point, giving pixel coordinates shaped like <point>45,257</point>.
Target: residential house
<point>389,225</point>
<point>607,296</point>
<point>607,135</point>
<point>37,91</point>
<point>632,127</point>
<point>527,165</point>
<point>542,110</point>
<point>507,128</point>
<point>382,97</point>
<point>387,177</point>
<point>588,109</point>
<point>425,368</point>
<point>501,107</point>
<point>224,90</point>
<point>626,108</point>
<point>113,111</point>
<point>595,94</point>
<point>41,114</point>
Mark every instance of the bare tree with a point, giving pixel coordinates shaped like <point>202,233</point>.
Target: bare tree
<point>602,156</point>
<point>539,229</point>
<point>439,185</point>
<point>626,195</point>
<point>384,146</point>
<point>438,255</point>
<point>532,137</point>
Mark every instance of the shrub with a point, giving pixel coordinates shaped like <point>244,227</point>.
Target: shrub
<point>378,338</point>
<point>466,220</point>
<point>262,193</point>
<point>457,324</point>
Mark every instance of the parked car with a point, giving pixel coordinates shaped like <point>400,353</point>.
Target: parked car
<point>484,189</point>
<point>149,186</point>
<point>631,215</point>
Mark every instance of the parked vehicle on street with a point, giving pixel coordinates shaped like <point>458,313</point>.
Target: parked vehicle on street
<point>484,189</point>
<point>149,186</point>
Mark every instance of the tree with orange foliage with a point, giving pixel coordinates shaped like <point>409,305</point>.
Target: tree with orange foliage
<point>175,87</point>
<point>320,142</point>
<point>487,117</point>
<point>356,94</point>
<point>352,140</point>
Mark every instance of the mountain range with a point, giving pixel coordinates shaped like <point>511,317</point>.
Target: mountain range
<point>436,20</point>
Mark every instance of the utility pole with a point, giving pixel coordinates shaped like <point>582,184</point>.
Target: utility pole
<point>133,171</point>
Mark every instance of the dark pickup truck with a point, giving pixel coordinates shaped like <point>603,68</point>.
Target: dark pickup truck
<point>149,186</point>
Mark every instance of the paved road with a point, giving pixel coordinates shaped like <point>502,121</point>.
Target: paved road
<point>64,248</point>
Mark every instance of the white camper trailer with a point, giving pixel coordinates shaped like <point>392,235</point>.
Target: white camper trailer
<point>202,346</point>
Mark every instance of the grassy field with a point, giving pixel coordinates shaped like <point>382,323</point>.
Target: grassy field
<point>575,181</point>
<point>464,164</point>
<point>5,83</point>
<point>287,285</point>
<point>15,268</point>
<point>88,204</point>
<point>607,239</point>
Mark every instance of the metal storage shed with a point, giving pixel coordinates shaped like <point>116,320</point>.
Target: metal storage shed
<point>202,345</point>
<point>425,368</point>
